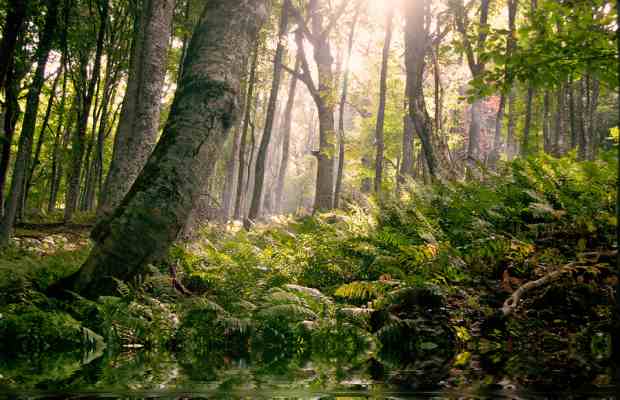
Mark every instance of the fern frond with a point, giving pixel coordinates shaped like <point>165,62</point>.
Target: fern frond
<point>311,292</point>
<point>287,312</point>
<point>360,291</point>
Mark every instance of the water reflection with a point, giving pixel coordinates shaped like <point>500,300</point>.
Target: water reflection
<point>287,375</point>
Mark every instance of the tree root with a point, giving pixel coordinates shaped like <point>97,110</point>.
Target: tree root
<point>511,304</point>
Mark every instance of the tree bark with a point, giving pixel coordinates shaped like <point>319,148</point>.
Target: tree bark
<point>379,131</point>
<point>205,107</point>
<point>341,110</point>
<point>580,120</point>
<point>139,124</point>
<point>261,158</point>
<point>416,48</point>
<point>26,138</point>
<point>79,136</point>
<point>286,135</point>
<point>239,211</point>
<point>527,127</point>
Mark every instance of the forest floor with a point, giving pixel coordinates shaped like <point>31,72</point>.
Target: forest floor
<point>414,293</point>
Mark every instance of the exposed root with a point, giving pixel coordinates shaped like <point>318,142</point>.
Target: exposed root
<point>511,304</point>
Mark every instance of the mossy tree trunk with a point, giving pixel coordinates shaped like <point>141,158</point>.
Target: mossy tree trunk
<point>205,107</point>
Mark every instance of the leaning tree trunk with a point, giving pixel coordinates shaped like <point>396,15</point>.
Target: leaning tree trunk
<point>379,131</point>
<point>139,124</point>
<point>205,107</point>
<point>261,158</point>
<point>26,137</point>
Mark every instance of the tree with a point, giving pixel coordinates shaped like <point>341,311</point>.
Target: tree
<point>87,85</point>
<point>139,122</point>
<point>261,159</point>
<point>476,63</point>
<point>30,120</point>
<point>205,108</point>
<point>417,44</point>
<point>341,110</point>
<point>321,91</point>
<point>379,137</point>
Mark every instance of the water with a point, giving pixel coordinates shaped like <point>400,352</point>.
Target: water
<point>143,374</point>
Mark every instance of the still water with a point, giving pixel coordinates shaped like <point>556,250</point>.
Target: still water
<point>151,375</point>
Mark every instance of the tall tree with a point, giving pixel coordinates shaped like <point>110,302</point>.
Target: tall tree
<point>88,85</point>
<point>249,100</point>
<point>286,135</point>
<point>261,158</point>
<point>476,63</point>
<point>341,109</point>
<point>321,90</point>
<point>418,41</point>
<point>24,152</point>
<point>379,130</point>
<point>204,109</point>
<point>139,122</point>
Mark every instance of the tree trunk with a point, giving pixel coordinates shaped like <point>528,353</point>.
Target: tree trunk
<point>416,48</point>
<point>341,110</point>
<point>13,27</point>
<point>79,136</point>
<point>286,135</point>
<point>525,149</point>
<point>580,119</point>
<point>26,138</point>
<point>559,121</point>
<point>379,134</point>
<point>139,124</point>
<point>205,107</point>
<point>547,140</point>
<point>571,111</point>
<point>261,158</point>
<point>239,210</point>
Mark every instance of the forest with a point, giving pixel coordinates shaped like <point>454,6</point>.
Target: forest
<point>309,198</point>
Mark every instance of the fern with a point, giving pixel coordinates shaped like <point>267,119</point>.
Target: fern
<point>286,312</point>
<point>360,291</point>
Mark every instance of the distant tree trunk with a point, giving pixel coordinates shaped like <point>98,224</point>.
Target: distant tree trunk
<point>205,107</point>
<point>322,94</point>
<point>416,48</point>
<point>499,124</point>
<point>473,51</point>
<point>341,111</point>
<point>286,135</point>
<point>61,142</point>
<point>26,138</point>
<point>261,158</point>
<point>139,124</point>
<point>511,139</point>
<point>525,147</point>
<point>571,112</point>
<point>232,164</point>
<point>407,163</point>
<point>547,140</point>
<point>379,136</point>
<point>42,135</point>
<point>79,136</point>
<point>592,120</point>
<point>580,120</point>
<point>239,210</point>
<point>559,121</point>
